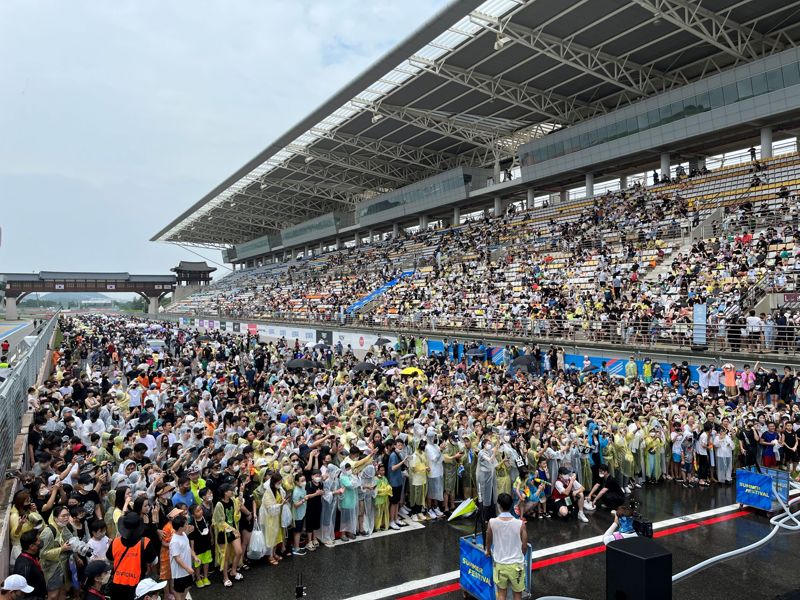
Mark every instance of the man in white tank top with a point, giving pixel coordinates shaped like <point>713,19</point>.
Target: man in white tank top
<point>506,543</point>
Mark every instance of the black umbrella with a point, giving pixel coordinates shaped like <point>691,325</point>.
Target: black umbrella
<point>364,367</point>
<point>302,363</point>
<point>407,356</point>
<point>476,352</point>
<point>523,361</point>
<point>320,346</point>
<point>204,338</point>
<point>590,368</point>
<point>383,341</point>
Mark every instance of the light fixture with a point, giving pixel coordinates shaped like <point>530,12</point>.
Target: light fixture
<point>376,117</point>
<point>308,159</point>
<point>501,41</point>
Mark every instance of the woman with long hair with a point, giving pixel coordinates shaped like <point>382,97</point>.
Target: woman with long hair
<point>225,522</point>
<point>270,517</point>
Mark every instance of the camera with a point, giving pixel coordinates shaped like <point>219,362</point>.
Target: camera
<point>80,547</point>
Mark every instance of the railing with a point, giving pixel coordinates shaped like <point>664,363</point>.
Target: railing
<point>656,334</point>
<point>14,390</point>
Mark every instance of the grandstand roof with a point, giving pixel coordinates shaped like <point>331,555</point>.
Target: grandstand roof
<point>469,87</point>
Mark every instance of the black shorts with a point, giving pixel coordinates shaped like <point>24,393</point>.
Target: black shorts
<point>181,584</point>
<point>397,494</point>
<point>298,525</point>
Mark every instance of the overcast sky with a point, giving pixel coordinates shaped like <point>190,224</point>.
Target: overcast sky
<point>117,116</point>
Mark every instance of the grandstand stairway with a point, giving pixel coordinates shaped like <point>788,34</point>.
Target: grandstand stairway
<point>375,294</point>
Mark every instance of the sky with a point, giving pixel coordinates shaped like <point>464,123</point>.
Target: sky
<point>117,116</point>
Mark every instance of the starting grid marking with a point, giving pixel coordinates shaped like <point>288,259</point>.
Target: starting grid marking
<point>444,578</point>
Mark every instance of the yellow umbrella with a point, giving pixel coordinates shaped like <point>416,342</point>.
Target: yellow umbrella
<point>412,371</point>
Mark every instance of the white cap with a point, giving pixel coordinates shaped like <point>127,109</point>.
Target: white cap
<point>146,586</point>
<point>17,583</point>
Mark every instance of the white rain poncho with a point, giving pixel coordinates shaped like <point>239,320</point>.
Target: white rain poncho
<point>367,498</point>
<point>348,502</point>
<point>436,476</point>
<point>486,478</point>
<point>329,505</point>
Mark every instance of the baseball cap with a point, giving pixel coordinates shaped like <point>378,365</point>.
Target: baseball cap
<point>147,586</point>
<point>17,583</point>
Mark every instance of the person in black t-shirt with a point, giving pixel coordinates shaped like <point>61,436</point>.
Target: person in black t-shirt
<point>606,492</point>
<point>748,445</point>
<point>789,447</point>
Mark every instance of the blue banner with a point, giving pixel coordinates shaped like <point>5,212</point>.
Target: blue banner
<point>476,570</point>
<point>700,324</point>
<point>753,489</point>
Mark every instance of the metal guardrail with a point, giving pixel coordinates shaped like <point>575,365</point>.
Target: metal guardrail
<point>14,390</point>
<point>648,335</point>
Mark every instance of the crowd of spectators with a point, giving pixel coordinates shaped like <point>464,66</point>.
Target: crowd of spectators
<point>199,457</point>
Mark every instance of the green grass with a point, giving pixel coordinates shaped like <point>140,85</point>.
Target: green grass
<point>58,337</point>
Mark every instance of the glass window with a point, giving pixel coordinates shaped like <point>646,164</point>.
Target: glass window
<point>631,126</point>
<point>666,113</point>
<point>731,93</point>
<point>791,74</point>
<point>643,124</point>
<point>716,98</point>
<point>744,88</point>
<point>759,84</point>
<point>701,103</point>
<point>774,80</point>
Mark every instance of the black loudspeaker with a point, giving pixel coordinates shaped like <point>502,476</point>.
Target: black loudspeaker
<point>638,569</point>
<point>699,348</point>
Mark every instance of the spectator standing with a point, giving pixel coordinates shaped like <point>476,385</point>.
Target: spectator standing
<point>506,543</point>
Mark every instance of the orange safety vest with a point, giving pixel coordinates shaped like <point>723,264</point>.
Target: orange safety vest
<point>127,562</point>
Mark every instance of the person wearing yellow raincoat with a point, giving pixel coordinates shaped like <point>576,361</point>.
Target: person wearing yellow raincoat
<point>225,523</point>
<point>384,491</point>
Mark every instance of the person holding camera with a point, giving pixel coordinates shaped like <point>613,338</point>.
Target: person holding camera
<point>568,496</point>
<point>606,492</point>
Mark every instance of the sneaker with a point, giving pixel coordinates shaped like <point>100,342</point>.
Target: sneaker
<point>402,523</point>
<point>627,490</point>
<point>299,552</point>
<point>582,518</point>
<point>637,485</point>
<point>394,526</point>
<point>404,511</point>
<point>588,505</point>
<point>206,581</point>
<point>200,583</point>
<point>432,514</point>
<point>310,547</point>
<point>415,518</point>
<point>438,512</point>
<point>329,544</point>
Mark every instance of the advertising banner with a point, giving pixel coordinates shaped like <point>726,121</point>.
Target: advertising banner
<point>700,325</point>
<point>237,327</point>
<point>753,489</point>
<point>252,328</point>
<point>475,571</point>
<point>325,336</point>
<point>359,341</point>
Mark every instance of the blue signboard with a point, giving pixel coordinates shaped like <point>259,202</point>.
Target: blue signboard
<point>476,569</point>
<point>753,489</point>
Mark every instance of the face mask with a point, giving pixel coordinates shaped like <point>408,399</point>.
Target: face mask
<point>488,447</point>
<point>43,492</point>
<point>316,479</point>
<point>506,438</point>
<point>236,469</point>
<point>88,487</point>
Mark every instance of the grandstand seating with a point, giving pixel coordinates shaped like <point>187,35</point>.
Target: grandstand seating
<point>638,254</point>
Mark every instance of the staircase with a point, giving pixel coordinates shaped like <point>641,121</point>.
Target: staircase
<point>373,295</point>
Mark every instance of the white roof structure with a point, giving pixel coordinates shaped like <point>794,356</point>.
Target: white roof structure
<point>472,85</point>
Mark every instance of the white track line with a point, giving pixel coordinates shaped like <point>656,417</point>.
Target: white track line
<point>411,586</point>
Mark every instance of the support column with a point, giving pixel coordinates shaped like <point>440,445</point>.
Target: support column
<point>563,195</point>
<point>371,236</point>
<point>321,246</point>
<point>338,243</point>
<point>152,305</point>
<point>665,165</point>
<point>11,308</point>
<point>529,202</point>
<point>498,206</point>
<point>395,230</point>
<point>357,239</point>
<point>766,142</point>
<point>496,176</point>
<point>423,222</point>
<point>623,182</point>
<point>456,216</point>
<point>589,185</point>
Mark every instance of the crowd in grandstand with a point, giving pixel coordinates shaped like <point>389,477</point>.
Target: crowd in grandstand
<point>628,265</point>
<point>198,456</point>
